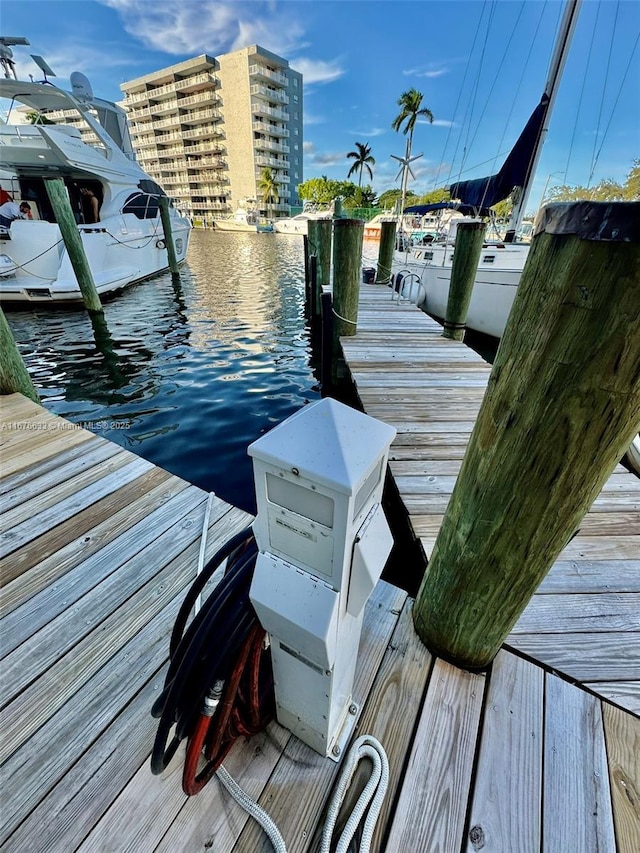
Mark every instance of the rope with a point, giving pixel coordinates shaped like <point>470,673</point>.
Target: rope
<point>252,808</point>
<point>369,801</point>
<point>35,275</point>
<point>344,319</point>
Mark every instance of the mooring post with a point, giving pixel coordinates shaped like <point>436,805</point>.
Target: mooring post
<point>319,235</point>
<point>466,256</point>
<point>314,295</point>
<point>347,262</point>
<point>163,204</point>
<point>14,376</point>
<point>326,342</point>
<point>307,293</point>
<point>323,235</point>
<point>561,408</point>
<point>59,199</point>
<point>385,255</point>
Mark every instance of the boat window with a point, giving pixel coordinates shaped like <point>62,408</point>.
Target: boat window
<point>142,205</point>
<point>488,259</point>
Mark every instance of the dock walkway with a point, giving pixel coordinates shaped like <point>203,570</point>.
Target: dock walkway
<point>98,548</point>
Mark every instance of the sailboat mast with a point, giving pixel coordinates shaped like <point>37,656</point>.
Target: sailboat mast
<point>556,67</point>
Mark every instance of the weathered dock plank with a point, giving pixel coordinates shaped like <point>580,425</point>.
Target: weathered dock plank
<point>430,389</point>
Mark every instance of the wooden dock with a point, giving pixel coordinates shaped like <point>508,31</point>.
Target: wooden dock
<point>98,548</point>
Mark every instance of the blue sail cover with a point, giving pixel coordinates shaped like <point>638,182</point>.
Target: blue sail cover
<point>488,191</point>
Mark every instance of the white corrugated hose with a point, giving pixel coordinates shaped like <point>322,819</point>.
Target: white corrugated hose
<point>369,802</point>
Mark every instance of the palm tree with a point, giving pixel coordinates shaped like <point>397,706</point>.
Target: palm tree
<point>268,188</point>
<point>363,160</point>
<point>410,104</point>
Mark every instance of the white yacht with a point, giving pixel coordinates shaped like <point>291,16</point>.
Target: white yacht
<point>299,224</point>
<point>246,218</point>
<point>125,245</point>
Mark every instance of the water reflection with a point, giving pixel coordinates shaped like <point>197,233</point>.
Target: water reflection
<point>193,369</point>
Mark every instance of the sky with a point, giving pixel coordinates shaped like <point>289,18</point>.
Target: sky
<point>481,66</point>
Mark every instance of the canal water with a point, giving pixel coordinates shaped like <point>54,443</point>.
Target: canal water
<point>194,373</point>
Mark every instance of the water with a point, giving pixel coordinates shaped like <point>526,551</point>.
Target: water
<point>195,373</point>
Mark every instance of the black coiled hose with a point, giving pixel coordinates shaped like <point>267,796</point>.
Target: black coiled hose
<point>206,652</point>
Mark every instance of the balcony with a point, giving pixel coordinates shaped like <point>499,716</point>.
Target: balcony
<point>268,145</point>
<point>197,81</point>
<point>199,116</point>
<point>271,129</point>
<point>164,107</point>
<point>164,138</point>
<point>170,121</point>
<point>266,74</point>
<point>174,179</point>
<point>262,160</point>
<point>208,98</point>
<point>204,132</point>
<point>204,147</point>
<point>144,141</point>
<point>202,162</point>
<point>260,91</point>
<point>135,114</point>
<point>264,110</point>
<point>171,153</point>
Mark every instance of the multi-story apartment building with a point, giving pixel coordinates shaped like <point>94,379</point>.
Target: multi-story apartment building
<point>206,128</point>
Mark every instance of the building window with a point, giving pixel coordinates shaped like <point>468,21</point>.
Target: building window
<point>295,99</point>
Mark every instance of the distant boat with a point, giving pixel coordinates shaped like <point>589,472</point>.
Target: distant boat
<point>125,246</point>
<point>246,218</point>
<point>426,270</point>
<point>298,224</point>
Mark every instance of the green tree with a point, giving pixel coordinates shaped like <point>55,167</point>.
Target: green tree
<point>362,197</point>
<point>410,103</point>
<point>322,191</point>
<point>268,189</point>
<point>632,184</point>
<point>363,160</point>
<point>606,190</point>
<point>34,117</point>
<point>434,197</point>
<point>389,198</point>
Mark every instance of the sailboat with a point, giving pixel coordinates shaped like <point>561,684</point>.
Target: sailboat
<point>426,269</point>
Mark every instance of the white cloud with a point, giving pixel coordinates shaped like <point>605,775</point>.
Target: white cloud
<point>376,131</point>
<point>209,26</point>
<point>441,122</point>
<point>329,158</point>
<point>308,147</point>
<point>425,72</point>
<point>317,70</point>
<point>309,118</point>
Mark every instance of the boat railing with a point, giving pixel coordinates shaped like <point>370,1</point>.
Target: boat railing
<point>403,283</point>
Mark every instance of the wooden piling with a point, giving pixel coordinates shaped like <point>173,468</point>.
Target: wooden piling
<point>320,238</point>
<point>347,263</point>
<point>466,256</point>
<point>59,199</point>
<point>314,292</point>
<point>326,342</point>
<point>385,254</point>
<point>307,294</point>
<point>163,203</point>
<point>562,406</point>
<point>14,376</point>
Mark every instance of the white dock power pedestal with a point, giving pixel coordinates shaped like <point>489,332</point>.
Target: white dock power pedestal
<point>323,541</point>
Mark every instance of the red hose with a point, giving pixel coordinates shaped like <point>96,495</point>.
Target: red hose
<point>241,712</point>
